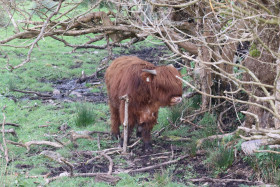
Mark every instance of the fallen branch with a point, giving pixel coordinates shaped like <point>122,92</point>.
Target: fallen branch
<point>12,124</point>
<point>74,135</point>
<point>206,179</point>
<point>11,131</point>
<point>28,144</point>
<point>266,151</point>
<point>158,165</point>
<point>174,138</point>
<point>32,92</point>
<point>110,161</point>
<point>220,136</point>
<point>58,158</point>
<point>104,177</point>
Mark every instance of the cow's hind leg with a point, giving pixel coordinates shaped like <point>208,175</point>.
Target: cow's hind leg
<point>115,122</point>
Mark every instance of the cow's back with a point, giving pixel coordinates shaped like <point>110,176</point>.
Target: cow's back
<point>123,76</point>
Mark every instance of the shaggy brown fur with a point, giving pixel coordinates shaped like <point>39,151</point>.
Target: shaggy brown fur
<point>146,92</point>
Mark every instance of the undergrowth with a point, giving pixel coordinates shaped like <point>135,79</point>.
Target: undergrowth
<point>266,166</point>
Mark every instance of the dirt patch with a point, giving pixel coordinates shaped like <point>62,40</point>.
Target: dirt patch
<point>70,90</point>
<point>24,166</point>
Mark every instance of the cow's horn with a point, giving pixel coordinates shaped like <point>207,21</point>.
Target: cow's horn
<point>170,65</point>
<point>153,72</point>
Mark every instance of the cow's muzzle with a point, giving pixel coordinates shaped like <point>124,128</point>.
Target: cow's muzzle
<point>175,100</point>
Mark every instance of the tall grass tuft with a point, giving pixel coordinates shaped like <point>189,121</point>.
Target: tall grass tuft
<point>222,158</point>
<point>85,115</point>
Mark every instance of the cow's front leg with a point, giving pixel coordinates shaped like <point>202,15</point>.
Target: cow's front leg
<point>146,136</point>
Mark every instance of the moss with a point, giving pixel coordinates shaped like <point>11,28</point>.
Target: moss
<point>254,52</point>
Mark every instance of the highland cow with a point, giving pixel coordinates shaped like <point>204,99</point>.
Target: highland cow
<point>148,88</point>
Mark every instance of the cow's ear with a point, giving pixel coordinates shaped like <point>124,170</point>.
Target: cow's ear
<point>148,75</point>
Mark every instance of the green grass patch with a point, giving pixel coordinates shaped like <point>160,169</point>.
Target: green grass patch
<point>85,115</point>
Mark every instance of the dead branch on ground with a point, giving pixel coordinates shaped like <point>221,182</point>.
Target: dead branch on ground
<point>12,124</point>
<point>28,144</point>
<point>110,161</point>
<point>11,131</point>
<point>213,137</point>
<point>206,179</point>
<point>157,165</point>
<point>32,92</point>
<point>257,138</point>
<point>74,135</point>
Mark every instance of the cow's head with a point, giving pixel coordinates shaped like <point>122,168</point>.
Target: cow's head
<point>165,87</point>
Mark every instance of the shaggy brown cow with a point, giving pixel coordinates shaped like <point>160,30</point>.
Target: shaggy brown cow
<point>148,88</point>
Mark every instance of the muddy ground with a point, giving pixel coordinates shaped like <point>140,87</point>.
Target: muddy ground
<point>163,151</point>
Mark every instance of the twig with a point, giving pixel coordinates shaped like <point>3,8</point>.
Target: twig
<point>70,166</point>
<point>98,142</point>
<point>103,176</point>
<point>110,161</point>
<point>220,121</point>
<point>28,144</point>
<point>12,124</point>
<point>156,154</point>
<point>266,151</point>
<point>135,143</point>
<point>32,92</point>
<point>256,118</point>
<point>11,131</point>
<point>5,144</point>
<point>40,35</point>
<point>200,141</point>
<point>158,165</point>
<point>188,121</point>
<point>206,179</point>
<point>74,135</point>
<point>171,123</point>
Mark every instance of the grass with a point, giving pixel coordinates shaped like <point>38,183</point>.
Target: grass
<point>84,115</point>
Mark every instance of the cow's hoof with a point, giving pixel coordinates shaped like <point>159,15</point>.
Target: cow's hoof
<point>139,131</point>
<point>115,136</point>
<point>138,134</point>
<point>148,147</point>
